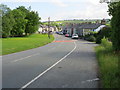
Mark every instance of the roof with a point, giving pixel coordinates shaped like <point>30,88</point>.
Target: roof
<point>90,26</point>
<point>84,26</point>
<point>45,26</point>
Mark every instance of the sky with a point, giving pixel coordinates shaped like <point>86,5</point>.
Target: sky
<point>63,9</point>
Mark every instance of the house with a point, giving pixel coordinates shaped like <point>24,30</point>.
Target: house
<point>70,29</point>
<point>44,29</point>
<point>82,29</point>
<point>85,29</point>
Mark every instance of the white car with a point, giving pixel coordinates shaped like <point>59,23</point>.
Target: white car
<point>74,36</point>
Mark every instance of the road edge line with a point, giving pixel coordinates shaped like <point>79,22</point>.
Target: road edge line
<point>26,85</point>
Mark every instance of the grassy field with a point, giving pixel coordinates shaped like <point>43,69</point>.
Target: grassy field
<point>16,44</point>
<point>108,66</point>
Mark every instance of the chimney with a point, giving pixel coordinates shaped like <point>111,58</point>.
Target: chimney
<point>103,22</point>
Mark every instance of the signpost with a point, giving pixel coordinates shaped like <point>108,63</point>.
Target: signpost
<point>49,27</point>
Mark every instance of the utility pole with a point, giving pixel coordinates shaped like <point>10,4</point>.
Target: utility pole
<point>49,27</point>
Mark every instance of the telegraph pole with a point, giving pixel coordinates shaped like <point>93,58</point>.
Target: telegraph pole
<point>49,27</point>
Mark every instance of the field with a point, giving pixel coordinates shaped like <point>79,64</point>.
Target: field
<point>16,44</point>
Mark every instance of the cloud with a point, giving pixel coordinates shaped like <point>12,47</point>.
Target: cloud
<point>24,0</point>
<point>73,9</point>
<point>56,2</point>
<point>59,3</point>
<point>90,11</point>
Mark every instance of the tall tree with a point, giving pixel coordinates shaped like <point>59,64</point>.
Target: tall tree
<point>4,9</point>
<point>33,22</point>
<point>114,10</point>
<point>23,9</point>
<point>7,20</point>
<point>20,22</point>
<point>7,24</point>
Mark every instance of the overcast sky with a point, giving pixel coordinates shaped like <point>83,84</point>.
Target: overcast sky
<point>63,9</point>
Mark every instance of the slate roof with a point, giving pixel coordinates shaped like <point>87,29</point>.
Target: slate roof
<point>90,26</point>
<point>84,26</point>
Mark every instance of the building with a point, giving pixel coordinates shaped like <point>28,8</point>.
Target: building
<point>44,29</point>
<point>83,29</point>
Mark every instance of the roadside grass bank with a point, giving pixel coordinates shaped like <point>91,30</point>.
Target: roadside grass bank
<point>16,44</point>
<point>109,72</point>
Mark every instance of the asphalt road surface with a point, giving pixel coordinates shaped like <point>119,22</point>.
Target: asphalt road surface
<point>64,63</point>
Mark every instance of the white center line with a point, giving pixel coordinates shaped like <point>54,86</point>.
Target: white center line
<point>26,85</point>
<point>25,58</point>
<point>33,54</point>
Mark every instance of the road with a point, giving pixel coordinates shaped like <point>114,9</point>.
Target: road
<point>64,63</point>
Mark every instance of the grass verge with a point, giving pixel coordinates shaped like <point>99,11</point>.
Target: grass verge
<point>16,44</point>
<point>108,66</point>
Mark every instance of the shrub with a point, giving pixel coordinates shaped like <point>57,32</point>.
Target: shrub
<point>106,43</point>
<point>104,32</point>
<point>90,38</point>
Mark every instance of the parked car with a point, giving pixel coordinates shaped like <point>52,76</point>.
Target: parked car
<point>67,35</point>
<point>61,33</point>
<point>57,32</point>
<point>74,36</point>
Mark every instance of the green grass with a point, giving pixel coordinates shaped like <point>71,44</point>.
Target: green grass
<point>16,44</point>
<point>108,66</point>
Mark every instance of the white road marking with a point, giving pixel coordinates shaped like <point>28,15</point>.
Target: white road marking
<point>33,55</point>
<point>96,79</point>
<point>26,85</point>
<point>25,58</point>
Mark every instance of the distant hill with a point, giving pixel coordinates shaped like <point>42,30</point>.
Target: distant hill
<point>79,21</point>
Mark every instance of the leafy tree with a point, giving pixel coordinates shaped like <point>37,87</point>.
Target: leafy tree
<point>4,9</point>
<point>33,22</point>
<point>23,9</point>
<point>114,10</point>
<point>20,22</point>
<point>7,20</point>
<point>7,24</point>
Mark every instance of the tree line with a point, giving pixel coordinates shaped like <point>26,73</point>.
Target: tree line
<point>18,22</point>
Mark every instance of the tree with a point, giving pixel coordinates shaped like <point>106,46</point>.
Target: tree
<point>7,24</point>
<point>7,20</point>
<point>33,22</point>
<point>20,22</point>
<point>4,9</point>
<point>114,10</point>
<point>23,9</point>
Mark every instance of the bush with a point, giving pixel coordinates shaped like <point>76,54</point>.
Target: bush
<point>90,38</point>
<point>104,32</point>
<point>105,43</point>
